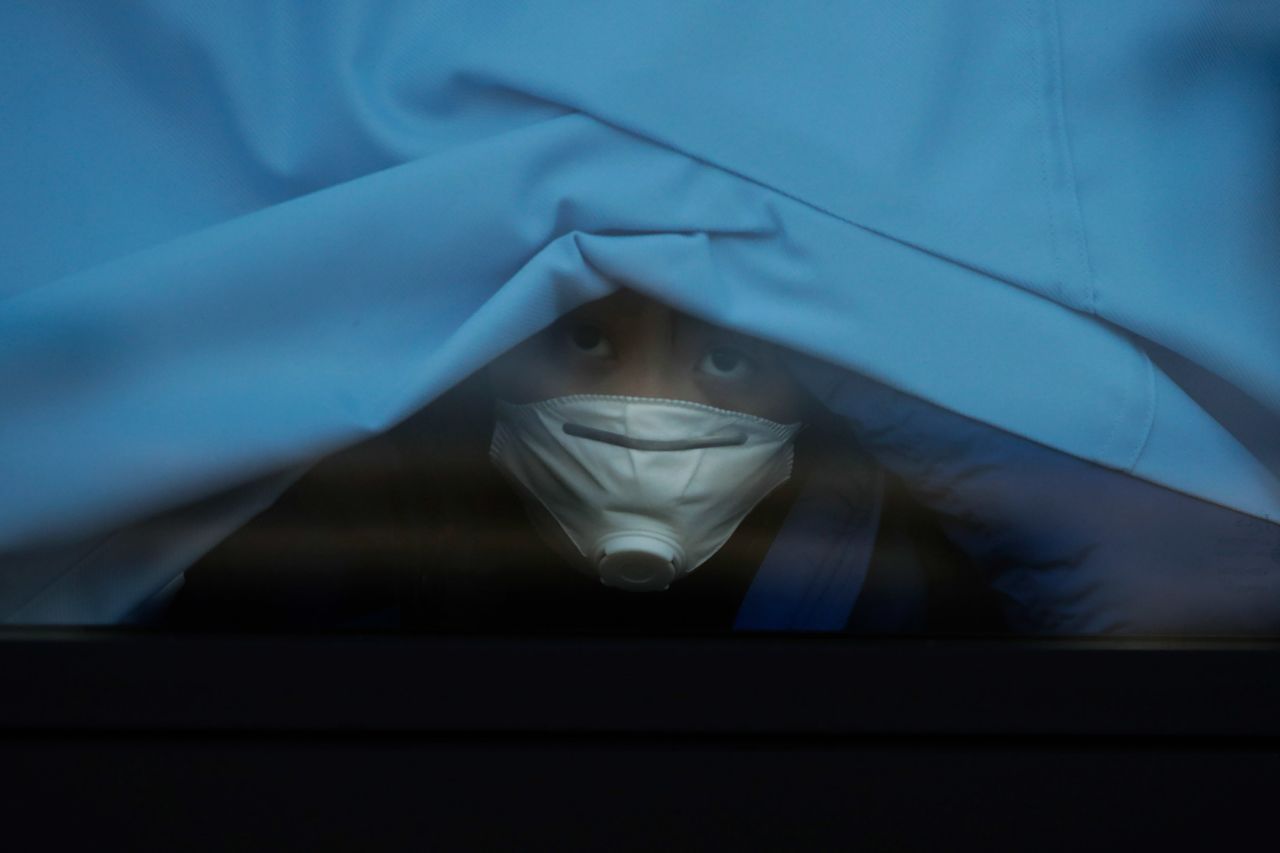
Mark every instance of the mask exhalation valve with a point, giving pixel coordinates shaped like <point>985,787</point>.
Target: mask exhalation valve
<point>638,562</point>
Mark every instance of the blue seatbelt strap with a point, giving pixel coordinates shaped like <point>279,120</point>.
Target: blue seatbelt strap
<point>811,577</point>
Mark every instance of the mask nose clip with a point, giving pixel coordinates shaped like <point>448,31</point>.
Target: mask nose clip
<point>639,562</point>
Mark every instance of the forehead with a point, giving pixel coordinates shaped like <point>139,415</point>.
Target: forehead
<point>629,312</point>
<point>622,306</point>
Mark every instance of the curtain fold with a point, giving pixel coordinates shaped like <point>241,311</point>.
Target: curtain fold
<point>238,236</point>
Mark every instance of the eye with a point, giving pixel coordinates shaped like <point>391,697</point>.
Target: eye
<point>589,340</point>
<point>726,363</point>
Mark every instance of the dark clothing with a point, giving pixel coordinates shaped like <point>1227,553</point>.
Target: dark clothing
<point>416,531</point>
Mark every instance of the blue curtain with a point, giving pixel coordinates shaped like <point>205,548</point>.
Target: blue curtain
<point>236,236</point>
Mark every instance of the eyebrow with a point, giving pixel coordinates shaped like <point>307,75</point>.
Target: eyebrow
<point>755,346</point>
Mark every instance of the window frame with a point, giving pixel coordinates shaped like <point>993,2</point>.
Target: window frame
<point>133,681</point>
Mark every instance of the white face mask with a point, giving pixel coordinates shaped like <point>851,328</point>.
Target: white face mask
<point>646,490</point>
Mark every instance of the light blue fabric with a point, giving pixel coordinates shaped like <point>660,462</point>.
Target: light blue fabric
<point>237,236</point>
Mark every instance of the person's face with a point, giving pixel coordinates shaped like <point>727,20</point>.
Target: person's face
<point>627,344</point>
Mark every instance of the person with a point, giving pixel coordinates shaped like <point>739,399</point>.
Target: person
<point>628,469</point>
